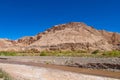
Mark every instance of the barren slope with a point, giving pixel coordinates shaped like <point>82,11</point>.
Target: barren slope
<point>70,36</point>
<point>73,35</point>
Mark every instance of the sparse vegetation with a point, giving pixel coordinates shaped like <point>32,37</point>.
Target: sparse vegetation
<point>43,53</point>
<point>75,53</point>
<point>95,52</point>
<point>4,75</point>
<point>114,53</point>
<point>8,53</point>
<point>63,53</point>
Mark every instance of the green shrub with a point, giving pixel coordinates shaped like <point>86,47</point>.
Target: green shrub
<point>5,53</point>
<point>1,75</point>
<point>95,52</point>
<point>111,53</point>
<point>43,53</point>
<point>4,75</point>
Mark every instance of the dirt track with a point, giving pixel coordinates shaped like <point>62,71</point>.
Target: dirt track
<point>64,68</point>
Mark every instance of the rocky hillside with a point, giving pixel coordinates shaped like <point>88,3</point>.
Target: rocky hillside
<point>70,36</point>
<point>9,45</point>
<point>112,38</point>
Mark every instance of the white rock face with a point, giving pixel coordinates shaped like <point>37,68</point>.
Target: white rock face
<point>22,72</point>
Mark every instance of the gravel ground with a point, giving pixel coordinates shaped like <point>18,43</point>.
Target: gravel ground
<point>23,72</point>
<point>111,64</point>
<point>63,60</point>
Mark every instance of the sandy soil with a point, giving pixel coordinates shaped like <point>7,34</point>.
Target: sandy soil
<point>23,72</point>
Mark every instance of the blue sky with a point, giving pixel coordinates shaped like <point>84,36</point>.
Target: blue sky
<point>20,18</point>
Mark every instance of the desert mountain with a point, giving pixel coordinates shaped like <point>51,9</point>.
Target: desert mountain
<point>70,36</point>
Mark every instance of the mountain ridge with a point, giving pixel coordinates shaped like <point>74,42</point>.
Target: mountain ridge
<point>70,36</point>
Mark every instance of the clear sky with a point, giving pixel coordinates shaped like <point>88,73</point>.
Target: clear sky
<point>20,18</point>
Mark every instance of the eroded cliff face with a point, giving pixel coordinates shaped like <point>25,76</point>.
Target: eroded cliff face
<point>71,36</point>
<point>112,38</point>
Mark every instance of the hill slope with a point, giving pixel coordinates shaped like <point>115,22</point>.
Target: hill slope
<point>71,36</point>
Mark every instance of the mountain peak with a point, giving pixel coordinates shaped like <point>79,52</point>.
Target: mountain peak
<point>67,25</point>
<point>76,23</point>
